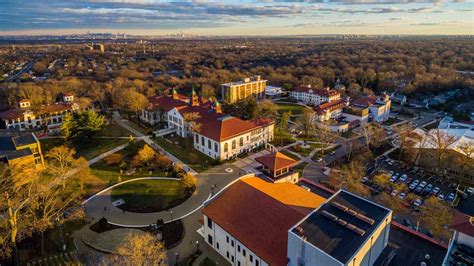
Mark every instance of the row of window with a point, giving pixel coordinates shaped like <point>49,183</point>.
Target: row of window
<point>241,250</point>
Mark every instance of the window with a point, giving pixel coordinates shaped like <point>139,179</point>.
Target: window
<point>241,141</point>
<point>232,242</point>
<point>217,245</point>
<point>234,144</point>
<point>215,147</point>
<point>209,239</point>
<point>251,258</point>
<point>227,239</point>
<point>197,138</point>
<point>209,143</point>
<point>226,147</point>
<point>244,252</point>
<point>227,255</point>
<point>202,140</point>
<point>238,248</point>
<point>232,258</point>
<point>256,263</point>
<point>238,263</point>
<point>209,223</point>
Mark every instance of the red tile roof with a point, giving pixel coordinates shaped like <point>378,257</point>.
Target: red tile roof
<point>365,101</point>
<point>276,161</point>
<point>330,106</point>
<point>12,114</point>
<point>259,214</point>
<point>50,108</point>
<point>463,223</point>
<point>166,103</point>
<point>327,92</point>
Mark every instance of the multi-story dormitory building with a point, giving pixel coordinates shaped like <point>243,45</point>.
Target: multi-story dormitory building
<point>220,136</point>
<point>49,116</point>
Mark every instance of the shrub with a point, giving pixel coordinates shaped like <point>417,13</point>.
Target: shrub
<point>113,159</point>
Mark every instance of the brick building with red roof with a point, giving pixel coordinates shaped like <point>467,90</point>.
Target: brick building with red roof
<point>313,96</point>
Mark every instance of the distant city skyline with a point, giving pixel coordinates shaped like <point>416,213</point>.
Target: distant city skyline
<point>264,17</point>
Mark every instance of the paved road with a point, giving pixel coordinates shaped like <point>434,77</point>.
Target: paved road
<point>25,69</point>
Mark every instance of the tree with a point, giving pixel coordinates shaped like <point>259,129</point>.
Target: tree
<point>188,180</point>
<point>349,176</point>
<point>374,134</point>
<point>163,162</point>
<point>266,108</point>
<point>382,180</point>
<point>130,100</point>
<point>60,162</point>
<point>191,120</point>
<point>113,159</point>
<point>403,132</point>
<point>282,125</point>
<point>436,215</point>
<point>14,200</point>
<point>139,249</point>
<point>69,126</point>
<point>146,154</point>
<point>326,137</point>
<point>82,125</point>
<point>441,141</point>
<point>305,122</point>
<point>466,162</point>
<point>207,91</point>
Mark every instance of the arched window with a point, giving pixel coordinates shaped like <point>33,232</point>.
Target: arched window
<point>234,144</point>
<point>226,147</point>
<point>215,147</point>
<point>241,141</point>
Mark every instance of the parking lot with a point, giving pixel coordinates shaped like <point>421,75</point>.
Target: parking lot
<point>418,181</point>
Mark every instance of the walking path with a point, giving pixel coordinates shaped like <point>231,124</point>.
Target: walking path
<point>123,123</point>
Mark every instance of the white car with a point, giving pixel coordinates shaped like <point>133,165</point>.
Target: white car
<point>402,195</point>
<point>470,190</point>
<point>417,203</point>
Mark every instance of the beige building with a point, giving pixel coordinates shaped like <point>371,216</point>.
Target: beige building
<point>234,91</point>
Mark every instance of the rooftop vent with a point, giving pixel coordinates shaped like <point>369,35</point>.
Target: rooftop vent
<point>365,219</point>
<point>329,215</point>
<point>355,229</point>
<point>339,206</point>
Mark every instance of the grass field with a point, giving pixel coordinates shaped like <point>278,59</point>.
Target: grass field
<point>185,152</point>
<point>294,108</point>
<point>88,149</point>
<point>150,195</point>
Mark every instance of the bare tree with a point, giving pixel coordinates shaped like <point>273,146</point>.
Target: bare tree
<point>60,162</point>
<point>140,250</point>
<point>306,122</point>
<point>441,141</point>
<point>436,216</point>
<point>403,132</point>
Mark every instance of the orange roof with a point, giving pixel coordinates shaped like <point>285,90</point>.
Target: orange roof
<point>463,223</point>
<point>259,214</point>
<point>276,161</point>
<point>365,101</point>
<point>331,106</point>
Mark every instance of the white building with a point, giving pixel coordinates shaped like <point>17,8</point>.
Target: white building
<point>379,106</point>
<point>448,123</point>
<point>219,136</point>
<point>462,243</point>
<point>346,230</point>
<point>315,97</point>
<point>49,116</point>
<point>247,222</point>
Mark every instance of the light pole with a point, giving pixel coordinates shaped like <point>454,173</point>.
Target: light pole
<point>176,256</point>
<point>197,245</point>
<point>171,215</point>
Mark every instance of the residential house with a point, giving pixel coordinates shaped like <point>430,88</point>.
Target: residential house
<point>461,246</point>
<point>379,106</point>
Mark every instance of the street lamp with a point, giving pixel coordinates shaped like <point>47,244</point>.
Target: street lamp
<point>197,245</point>
<point>171,215</point>
<point>176,256</point>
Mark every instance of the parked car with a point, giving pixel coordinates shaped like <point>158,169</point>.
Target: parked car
<point>402,195</point>
<point>394,178</point>
<point>450,197</point>
<point>418,189</point>
<point>417,203</point>
<point>470,190</point>
<point>441,196</point>
<point>428,189</point>
<point>394,193</point>
<point>416,182</point>
<point>435,191</point>
<point>403,178</point>
<point>423,184</point>
<point>408,181</point>
<point>364,179</point>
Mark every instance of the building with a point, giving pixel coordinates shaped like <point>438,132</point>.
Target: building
<point>20,149</point>
<point>459,166</point>
<point>448,123</point>
<point>235,91</point>
<point>97,47</point>
<point>345,230</point>
<point>355,113</point>
<point>247,223</point>
<point>274,92</point>
<point>398,98</point>
<point>312,96</point>
<point>330,110</point>
<point>48,117</point>
<point>461,247</point>
<point>278,167</point>
<point>379,106</point>
<point>220,136</point>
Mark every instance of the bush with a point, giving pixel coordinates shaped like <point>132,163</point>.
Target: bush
<point>163,162</point>
<point>113,159</point>
<point>103,223</point>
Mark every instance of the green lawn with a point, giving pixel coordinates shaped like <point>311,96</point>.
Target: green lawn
<point>294,108</point>
<point>88,149</point>
<point>207,262</point>
<point>287,153</point>
<point>151,195</point>
<point>305,152</point>
<point>185,152</point>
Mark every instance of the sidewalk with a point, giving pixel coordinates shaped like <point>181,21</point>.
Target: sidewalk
<point>123,123</point>
<point>204,182</point>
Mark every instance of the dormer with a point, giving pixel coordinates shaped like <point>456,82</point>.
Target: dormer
<point>68,97</point>
<point>25,103</point>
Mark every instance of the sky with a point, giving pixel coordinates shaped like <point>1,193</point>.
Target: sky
<point>250,17</point>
